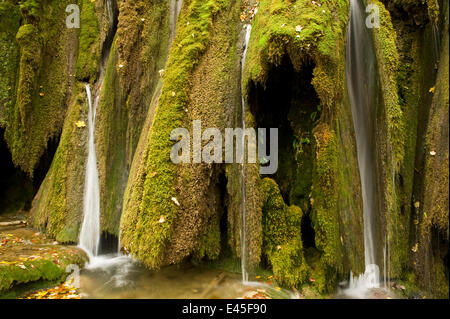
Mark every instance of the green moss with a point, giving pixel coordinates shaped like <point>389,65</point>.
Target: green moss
<point>41,269</point>
<point>324,198</point>
<point>88,48</point>
<point>282,239</point>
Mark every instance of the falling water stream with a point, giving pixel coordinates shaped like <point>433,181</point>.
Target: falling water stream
<point>90,229</point>
<point>248,30</point>
<point>361,82</point>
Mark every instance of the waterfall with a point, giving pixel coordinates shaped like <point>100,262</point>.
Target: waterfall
<point>361,82</point>
<point>248,30</point>
<point>90,230</point>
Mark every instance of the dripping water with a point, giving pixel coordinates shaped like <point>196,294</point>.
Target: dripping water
<point>360,70</point>
<point>248,30</point>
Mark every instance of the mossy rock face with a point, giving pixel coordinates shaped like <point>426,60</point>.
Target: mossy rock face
<point>89,38</point>
<point>202,57</point>
<point>58,206</point>
<point>139,51</point>
<point>433,218</point>
<point>413,247</point>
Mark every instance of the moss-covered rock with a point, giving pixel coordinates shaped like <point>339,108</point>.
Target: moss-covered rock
<point>282,238</point>
<point>204,28</point>
<point>9,55</point>
<point>47,50</point>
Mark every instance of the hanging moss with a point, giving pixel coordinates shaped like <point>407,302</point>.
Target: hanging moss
<point>47,50</point>
<point>9,55</point>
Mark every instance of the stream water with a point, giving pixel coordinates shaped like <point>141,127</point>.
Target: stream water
<point>120,277</point>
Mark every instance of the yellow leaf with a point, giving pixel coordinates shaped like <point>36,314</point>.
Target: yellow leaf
<point>432,90</point>
<point>80,124</point>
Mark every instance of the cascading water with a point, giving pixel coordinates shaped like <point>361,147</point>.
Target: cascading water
<point>90,229</point>
<point>248,30</point>
<point>361,82</point>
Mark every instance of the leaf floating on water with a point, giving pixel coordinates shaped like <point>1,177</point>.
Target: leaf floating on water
<point>175,201</point>
<point>433,153</point>
<point>432,90</point>
<point>417,204</point>
<point>80,124</point>
<point>415,248</point>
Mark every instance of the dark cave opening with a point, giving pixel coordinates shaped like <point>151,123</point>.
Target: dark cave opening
<point>289,102</point>
<point>18,188</point>
<point>308,233</point>
<point>108,244</point>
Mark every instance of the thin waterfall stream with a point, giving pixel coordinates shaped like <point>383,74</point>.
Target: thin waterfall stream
<point>361,74</point>
<point>90,229</point>
<point>248,30</point>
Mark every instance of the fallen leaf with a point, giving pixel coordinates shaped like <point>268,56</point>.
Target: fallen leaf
<point>80,124</point>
